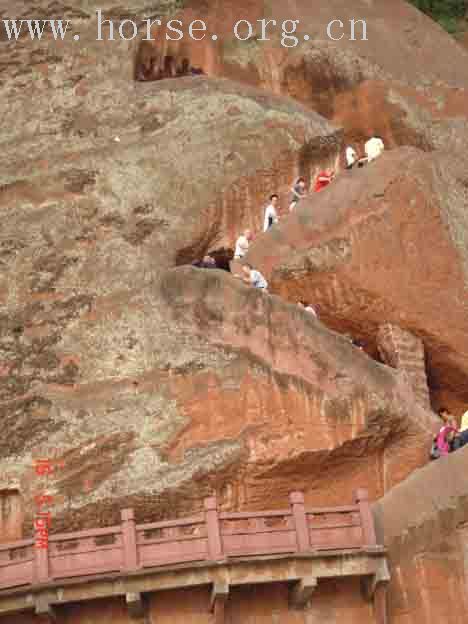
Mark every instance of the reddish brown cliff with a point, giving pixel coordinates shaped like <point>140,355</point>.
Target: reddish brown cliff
<point>213,386</point>
<point>352,81</point>
<point>384,244</point>
<point>424,525</point>
<point>153,386</point>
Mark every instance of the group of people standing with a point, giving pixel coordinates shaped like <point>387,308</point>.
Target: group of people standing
<point>450,437</point>
<point>298,192</point>
<point>372,148</point>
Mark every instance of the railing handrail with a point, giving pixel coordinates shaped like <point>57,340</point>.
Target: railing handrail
<point>133,551</point>
<point>162,524</point>
<point>18,544</point>
<point>57,537</point>
<point>245,515</point>
<point>326,510</point>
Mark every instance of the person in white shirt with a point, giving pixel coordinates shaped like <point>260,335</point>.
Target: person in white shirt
<point>374,148</point>
<point>253,277</point>
<point>271,216</point>
<point>242,244</point>
<point>351,157</point>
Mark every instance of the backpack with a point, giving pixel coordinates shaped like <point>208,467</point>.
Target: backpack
<point>434,453</point>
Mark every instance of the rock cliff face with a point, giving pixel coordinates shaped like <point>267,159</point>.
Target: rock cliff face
<point>89,237</point>
<point>198,383</point>
<point>156,384</point>
<point>410,97</point>
<point>385,243</point>
<point>424,521</point>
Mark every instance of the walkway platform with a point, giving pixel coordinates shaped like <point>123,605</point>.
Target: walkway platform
<point>297,546</point>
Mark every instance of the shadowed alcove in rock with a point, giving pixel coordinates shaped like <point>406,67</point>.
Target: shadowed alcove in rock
<point>11,515</point>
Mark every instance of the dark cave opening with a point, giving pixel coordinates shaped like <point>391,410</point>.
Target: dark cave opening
<point>152,64</point>
<point>194,256</point>
<point>223,258</point>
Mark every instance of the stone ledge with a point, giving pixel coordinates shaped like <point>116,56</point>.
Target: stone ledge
<point>228,573</point>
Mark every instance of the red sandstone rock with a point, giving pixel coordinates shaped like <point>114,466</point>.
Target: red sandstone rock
<point>204,384</point>
<point>92,357</point>
<point>384,244</point>
<point>409,96</point>
<point>158,388</point>
<point>423,522</point>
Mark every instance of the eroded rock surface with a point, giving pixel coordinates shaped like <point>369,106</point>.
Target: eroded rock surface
<point>423,522</point>
<point>409,96</point>
<point>156,386</point>
<point>198,382</point>
<point>385,244</point>
<point>90,226</point>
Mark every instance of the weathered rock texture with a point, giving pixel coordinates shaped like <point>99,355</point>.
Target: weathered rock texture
<point>198,382</point>
<point>424,524</point>
<point>155,386</point>
<point>355,83</point>
<point>11,515</point>
<point>402,350</point>
<point>91,232</point>
<point>385,244</point>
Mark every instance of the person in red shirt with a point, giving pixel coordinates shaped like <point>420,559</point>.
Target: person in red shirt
<point>323,179</point>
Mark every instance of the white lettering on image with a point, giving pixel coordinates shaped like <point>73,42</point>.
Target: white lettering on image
<point>329,33</point>
<point>287,33</point>
<point>236,30</point>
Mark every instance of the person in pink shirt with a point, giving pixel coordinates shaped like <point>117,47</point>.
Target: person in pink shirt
<point>446,433</point>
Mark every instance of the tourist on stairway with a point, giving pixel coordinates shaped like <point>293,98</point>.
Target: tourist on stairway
<point>446,433</point>
<point>271,216</point>
<point>253,277</point>
<point>351,157</point>
<point>242,244</point>
<point>323,179</point>
<point>374,148</point>
<point>298,192</point>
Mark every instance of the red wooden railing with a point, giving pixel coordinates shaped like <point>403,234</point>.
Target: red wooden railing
<point>208,536</point>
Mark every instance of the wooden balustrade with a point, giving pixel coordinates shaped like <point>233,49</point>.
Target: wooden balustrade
<point>208,536</point>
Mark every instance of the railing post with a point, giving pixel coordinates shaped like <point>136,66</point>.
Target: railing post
<point>361,498</point>
<point>215,547</point>
<point>129,539</point>
<point>41,564</point>
<point>300,520</point>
